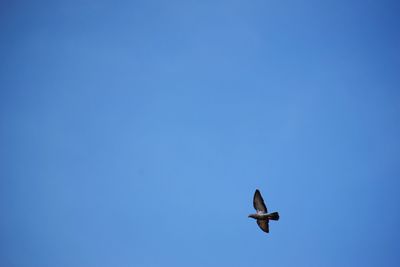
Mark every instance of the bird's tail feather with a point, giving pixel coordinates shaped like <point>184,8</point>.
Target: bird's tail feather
<point>273,216</point>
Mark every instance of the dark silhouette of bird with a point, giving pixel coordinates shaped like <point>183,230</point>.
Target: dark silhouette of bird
<point>262,216</point>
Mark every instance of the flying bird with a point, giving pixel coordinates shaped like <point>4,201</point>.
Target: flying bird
<point>262,216</point>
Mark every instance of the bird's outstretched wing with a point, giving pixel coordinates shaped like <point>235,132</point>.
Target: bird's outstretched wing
<point>258,202</point>
<point>263,224</point>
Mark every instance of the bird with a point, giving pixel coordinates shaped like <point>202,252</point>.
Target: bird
<point>262,216</point>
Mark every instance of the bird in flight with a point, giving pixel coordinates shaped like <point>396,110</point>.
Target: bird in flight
<point>262,216</point>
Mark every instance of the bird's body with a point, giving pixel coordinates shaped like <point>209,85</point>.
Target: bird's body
<point>262,216</point>
<point>265,216</point>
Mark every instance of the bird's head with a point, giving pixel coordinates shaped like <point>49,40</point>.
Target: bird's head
<point>254,216</point>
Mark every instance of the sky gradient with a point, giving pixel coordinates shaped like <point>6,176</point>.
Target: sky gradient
<point>134,133</point>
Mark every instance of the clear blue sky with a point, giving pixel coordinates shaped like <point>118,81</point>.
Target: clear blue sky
<point>134,133</point>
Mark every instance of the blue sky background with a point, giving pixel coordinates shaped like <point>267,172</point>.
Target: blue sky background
<point>134,133</point>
